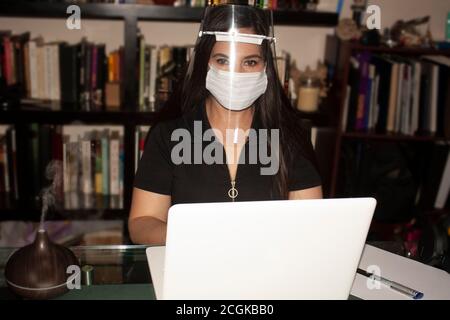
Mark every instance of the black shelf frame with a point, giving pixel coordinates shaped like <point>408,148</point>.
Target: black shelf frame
<point>152,13</point>
<point>128,116</point>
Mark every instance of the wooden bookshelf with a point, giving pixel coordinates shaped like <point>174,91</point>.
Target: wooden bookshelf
<point>341,52</point>
<point>26,113</point>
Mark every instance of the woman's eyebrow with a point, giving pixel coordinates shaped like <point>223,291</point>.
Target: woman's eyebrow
<point>247,57</point>
<point>253,56</point>
<point>220,55</point>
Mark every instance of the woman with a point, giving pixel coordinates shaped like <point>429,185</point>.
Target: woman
<point>231,85</point>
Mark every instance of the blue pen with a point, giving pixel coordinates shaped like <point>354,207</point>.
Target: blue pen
<point>414,294</point>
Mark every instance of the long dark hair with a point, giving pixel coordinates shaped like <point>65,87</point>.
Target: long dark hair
<point>273,107</point>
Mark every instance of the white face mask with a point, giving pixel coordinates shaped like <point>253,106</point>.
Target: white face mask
<point>236,90</point>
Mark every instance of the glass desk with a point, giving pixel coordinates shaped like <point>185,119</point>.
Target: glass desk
<point>118,272</point>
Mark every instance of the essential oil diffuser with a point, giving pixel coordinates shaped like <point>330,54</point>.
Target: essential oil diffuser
<point>39,270</point>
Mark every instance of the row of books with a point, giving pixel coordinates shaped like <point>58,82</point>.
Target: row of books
<point>159,70</point>
<point>395,94</point>
<point>82,165</point>
<point>93,166</point>
<point>74,74</point>
<point>83,76</point>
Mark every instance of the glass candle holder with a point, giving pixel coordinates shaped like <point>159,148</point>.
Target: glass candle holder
<point>308,94</point>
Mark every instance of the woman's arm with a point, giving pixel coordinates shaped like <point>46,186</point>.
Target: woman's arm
<point>312,193</point>
<point>148,217</point>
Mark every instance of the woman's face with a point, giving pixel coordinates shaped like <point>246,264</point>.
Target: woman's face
<point>247,57</point>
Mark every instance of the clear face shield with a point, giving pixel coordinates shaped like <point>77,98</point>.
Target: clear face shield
<point>235,48</point>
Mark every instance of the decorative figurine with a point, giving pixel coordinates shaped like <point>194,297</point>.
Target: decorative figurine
<point>406,33</point>
<point>347,30</point>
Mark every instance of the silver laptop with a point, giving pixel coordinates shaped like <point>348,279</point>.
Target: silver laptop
<point>297,249</point>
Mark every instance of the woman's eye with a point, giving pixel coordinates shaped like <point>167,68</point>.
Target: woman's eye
<point>222,61</point>
<point>251,63</point>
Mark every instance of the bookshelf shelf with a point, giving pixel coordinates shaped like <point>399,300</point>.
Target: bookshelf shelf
<point>320,118</point>
<point>151,13</point>
<point>399,50</point>
<point>25,116</point>
<point>438,212</point>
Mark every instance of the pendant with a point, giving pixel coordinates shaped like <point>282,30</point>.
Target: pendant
<point>233,192</point>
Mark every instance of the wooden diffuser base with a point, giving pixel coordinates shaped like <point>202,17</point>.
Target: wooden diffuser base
<point>39,270</point>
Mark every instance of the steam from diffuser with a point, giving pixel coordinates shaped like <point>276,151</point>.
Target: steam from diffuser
<point>53,173</point>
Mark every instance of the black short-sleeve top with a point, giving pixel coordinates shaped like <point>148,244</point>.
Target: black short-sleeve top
<point>196,181</point>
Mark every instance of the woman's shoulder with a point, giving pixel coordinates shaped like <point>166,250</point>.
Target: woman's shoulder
<point>167,126</point>
<point>162,131</point>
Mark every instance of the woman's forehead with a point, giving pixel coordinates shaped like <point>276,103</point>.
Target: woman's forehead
<point>240,48</point>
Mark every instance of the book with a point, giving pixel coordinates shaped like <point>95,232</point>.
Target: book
<point>393,98</point>
<point>362,106</point>
<point>12,160</point>
<point>33,66</point>
<point>104,136</point>
<point>54,72</point>
<point>398,99</point>
<point>69,75</point>
<point>152,78</point>
<point>443,94</point>
<point>433,176</point>
<point>353,82</point>
<point>444,186</point>
<point>417,71</point>
<point>384,67</point>
<point>86,160</point>
<point>141,71</point>
<point>114,163</point>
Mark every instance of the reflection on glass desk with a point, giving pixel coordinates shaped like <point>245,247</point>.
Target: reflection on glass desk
<point>117,272</point>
